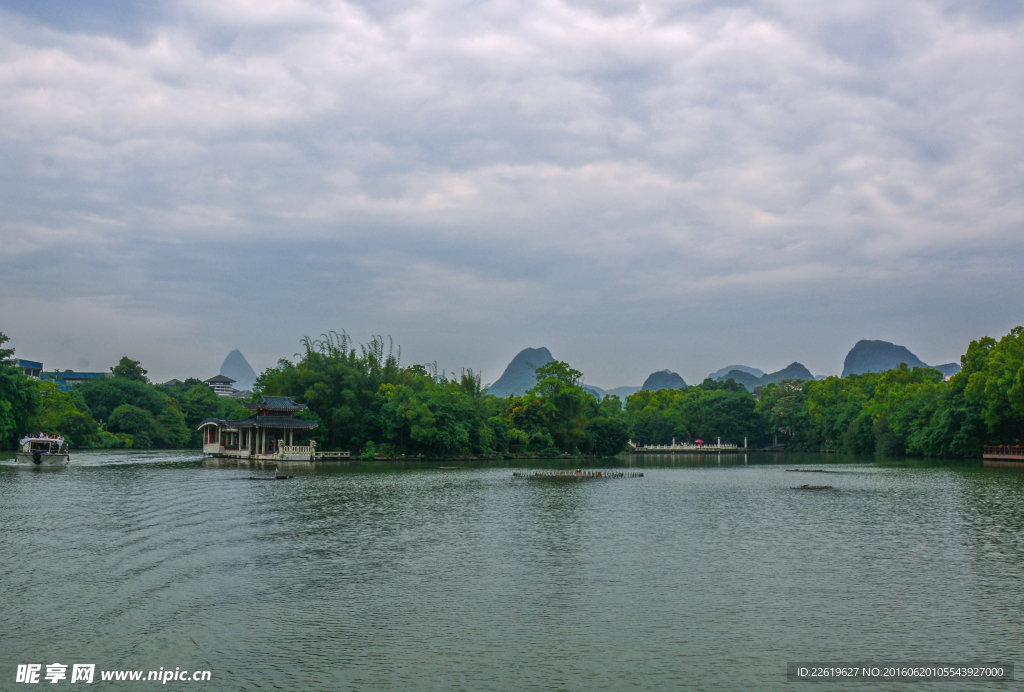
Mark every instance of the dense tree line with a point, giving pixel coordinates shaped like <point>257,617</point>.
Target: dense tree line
<point>123,410</point>
<point>911,411</point>
<point>706,412</point>
<point>367,402</point>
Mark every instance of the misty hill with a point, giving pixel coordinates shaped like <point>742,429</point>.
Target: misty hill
<point>519,375</point>
<point>793,371</point>
<point>742,368</point>
<point>878,356</point>
<point>663,379</point>
<point>948,368</point>
<point>623,392</point>
<point>744,378</point>
<point>237,368</point>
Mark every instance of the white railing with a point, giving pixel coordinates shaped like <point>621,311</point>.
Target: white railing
<point>296,449</point>
<point>681,447</point>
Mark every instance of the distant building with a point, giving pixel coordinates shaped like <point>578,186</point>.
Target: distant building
<point>69,378</point>
<point>171,383</point>
<point>30,368</point>
<point>221,385</point>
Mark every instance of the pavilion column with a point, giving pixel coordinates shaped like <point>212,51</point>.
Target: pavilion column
<point>291,438</point>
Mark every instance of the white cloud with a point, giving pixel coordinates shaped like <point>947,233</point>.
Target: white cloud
<point>539,169</point>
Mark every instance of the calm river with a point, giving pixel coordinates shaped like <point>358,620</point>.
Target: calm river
<point>698,576</point>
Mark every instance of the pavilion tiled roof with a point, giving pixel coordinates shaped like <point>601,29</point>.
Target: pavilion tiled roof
<point>271,422</point>
<point>283,422</point>
<point>275,403</point>
<point>219,379</point>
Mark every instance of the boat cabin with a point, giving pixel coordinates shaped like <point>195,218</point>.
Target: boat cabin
<point>45,445</point>
<point>268,434</point>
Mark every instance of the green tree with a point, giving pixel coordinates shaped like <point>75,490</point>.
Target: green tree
<point>607,432</point>
<point>172,432</point>
<point>61,414</point>
<point>19,398</point>
<point>129,369</point>
<point>992,378</point>
<point>784,405</point>
<point>200,403</point>
<point>134,421</point>
<point>706,411</point>
<point>103,395</point>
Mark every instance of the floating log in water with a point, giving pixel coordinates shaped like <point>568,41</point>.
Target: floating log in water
<point>813,487</point>
<point>270,478</point>
<point>807,470</point>
<point>578,474</point>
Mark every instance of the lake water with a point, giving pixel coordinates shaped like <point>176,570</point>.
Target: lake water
<point>697,576</point>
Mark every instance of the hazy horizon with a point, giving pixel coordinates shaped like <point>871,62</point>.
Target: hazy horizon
<point>635,186</point>
<point>85,365</point>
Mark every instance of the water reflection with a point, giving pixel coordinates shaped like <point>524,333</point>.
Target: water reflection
<point>707,572</point>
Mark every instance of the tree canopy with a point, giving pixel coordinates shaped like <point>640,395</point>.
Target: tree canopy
<point>365,400</point>
<point>20,402</point>
<point>129,369</point>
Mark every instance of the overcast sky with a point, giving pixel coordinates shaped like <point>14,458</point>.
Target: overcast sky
<point>680,185</point>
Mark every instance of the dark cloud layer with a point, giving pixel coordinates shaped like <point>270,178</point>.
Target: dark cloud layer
<point>635,186</point>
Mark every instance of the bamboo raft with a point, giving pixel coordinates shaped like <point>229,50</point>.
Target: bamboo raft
<point>574,475</point>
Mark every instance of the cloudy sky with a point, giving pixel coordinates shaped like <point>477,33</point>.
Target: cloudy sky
<point>678,185</point>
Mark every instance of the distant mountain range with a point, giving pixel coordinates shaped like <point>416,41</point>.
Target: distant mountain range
<point>237,368</point>
<point>865,356</point>
<point>729,368</point>
<point>793,371</point>
<point>520,375</point>
<point>879,356</point>
<point>621,392</point>
<point>663,379</point>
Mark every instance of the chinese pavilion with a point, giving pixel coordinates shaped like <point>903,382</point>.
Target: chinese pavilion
<point>261,435</point>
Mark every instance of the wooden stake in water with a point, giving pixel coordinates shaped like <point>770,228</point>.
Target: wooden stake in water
<point>578,474</point>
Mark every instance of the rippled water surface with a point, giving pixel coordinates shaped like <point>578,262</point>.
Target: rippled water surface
<point>697,576</point>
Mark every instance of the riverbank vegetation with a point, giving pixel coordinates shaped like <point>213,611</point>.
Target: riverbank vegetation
<point>909,411</point>
<point>364,398</point>
<point>367,402</point>
<point>124,410</point>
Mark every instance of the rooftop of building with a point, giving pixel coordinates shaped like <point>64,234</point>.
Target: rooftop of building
<point>275,403</point>
<point>258,421</point>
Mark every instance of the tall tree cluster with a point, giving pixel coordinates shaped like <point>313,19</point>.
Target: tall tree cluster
<point>123,410</point>
<point>364,398</point>
<point>366,401</point>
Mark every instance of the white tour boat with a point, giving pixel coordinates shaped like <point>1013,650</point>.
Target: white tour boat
<point>39,451</point>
